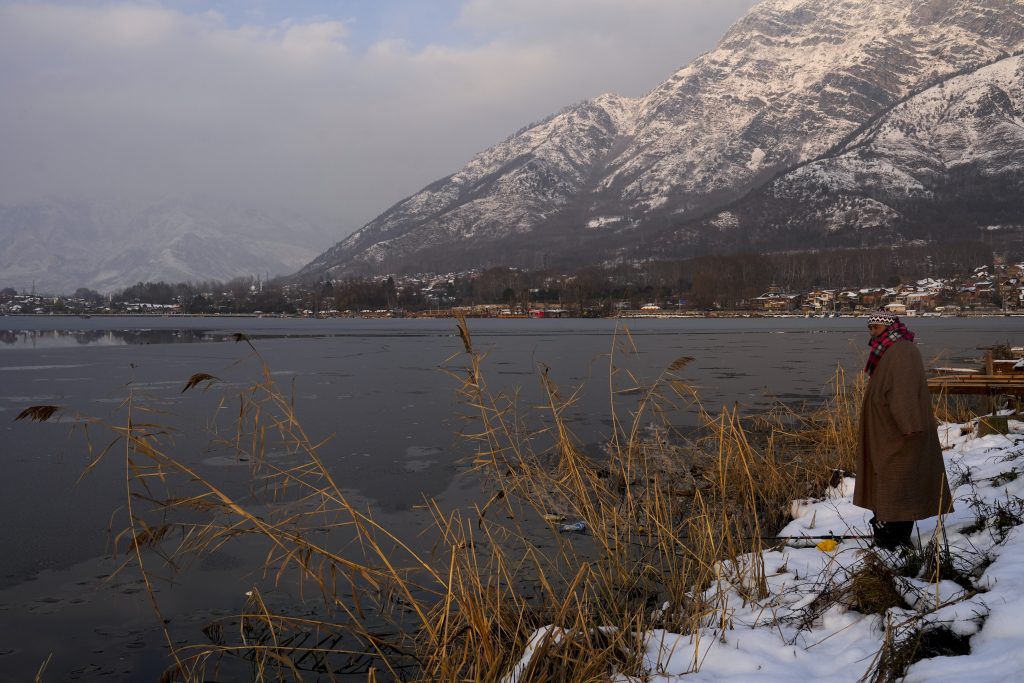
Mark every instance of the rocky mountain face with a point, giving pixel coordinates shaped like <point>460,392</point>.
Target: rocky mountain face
<point>790,84</point>
<point>948,162</point>
<point>62,245</point>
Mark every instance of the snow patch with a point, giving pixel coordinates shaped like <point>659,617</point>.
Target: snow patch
<point>768,640</point>
<point>602,221</point>
<point>756,157</point>
<point>726,220</point>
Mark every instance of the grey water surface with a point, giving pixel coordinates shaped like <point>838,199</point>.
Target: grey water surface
<point>375,389</point>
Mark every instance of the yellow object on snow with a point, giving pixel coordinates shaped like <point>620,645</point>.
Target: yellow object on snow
<point>828,545</point>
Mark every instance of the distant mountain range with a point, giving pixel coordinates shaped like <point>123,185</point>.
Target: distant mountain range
<point>813,123</point>
<point>59,246</point>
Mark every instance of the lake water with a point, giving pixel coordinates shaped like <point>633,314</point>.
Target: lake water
<point>374,387</point>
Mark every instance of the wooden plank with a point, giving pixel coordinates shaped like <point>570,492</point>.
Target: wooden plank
<point>977,390</point>
<point>978,385</point>
<point>977,379</point>
<point>998,377</point>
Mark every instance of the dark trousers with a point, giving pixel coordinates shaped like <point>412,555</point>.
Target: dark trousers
<point>891,535</point>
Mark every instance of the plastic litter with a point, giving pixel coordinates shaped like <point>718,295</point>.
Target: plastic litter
<point>575,527</point>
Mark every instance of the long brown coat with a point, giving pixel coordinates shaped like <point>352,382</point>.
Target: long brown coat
<point>899,477</point>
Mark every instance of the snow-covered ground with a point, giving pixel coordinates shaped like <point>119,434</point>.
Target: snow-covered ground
<point>804,628</point>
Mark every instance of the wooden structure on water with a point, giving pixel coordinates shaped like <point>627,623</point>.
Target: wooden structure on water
<point>978,385</point>
<point>1004,376</point>
<point>998,378</point>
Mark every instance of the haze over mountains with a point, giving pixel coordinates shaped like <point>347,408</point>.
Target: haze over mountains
<point>58,246</point>
<point>813,123</point>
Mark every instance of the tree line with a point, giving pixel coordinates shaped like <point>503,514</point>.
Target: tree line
<point>701,282</point>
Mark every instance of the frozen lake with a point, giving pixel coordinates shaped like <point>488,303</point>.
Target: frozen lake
<point>375,385</point>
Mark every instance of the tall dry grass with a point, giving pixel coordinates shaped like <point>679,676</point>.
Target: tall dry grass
<point>665,516</point>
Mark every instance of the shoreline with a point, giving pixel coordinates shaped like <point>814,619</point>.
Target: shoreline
<point>451,315</point>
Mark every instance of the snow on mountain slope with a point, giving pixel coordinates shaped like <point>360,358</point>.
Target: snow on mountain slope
<point>790,80</point>
<point>511,188</point>
<point>942,164</point>
<point>786,84</point>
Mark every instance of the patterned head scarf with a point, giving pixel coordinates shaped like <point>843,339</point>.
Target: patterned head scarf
<point>894,331</point>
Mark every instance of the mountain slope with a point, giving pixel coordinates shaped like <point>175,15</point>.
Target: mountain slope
<point>61,245</point>
<point>944,164</point>
<point>786,84</point>
<point>508,190</point>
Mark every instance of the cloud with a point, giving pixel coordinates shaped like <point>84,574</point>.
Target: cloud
<point>631,20</point>
<point>143,100</point>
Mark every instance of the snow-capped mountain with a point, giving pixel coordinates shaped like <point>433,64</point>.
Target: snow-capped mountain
<point>787,84</point>
<point>939,165</point>
<point>533,178</point>
<point>105,245</point>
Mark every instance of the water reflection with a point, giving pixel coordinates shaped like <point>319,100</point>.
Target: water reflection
<point>71,338</point>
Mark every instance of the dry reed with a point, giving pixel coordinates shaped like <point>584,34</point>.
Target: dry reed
<point>665,517</point>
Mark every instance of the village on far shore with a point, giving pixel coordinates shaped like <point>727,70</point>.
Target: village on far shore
<point>988,290</point>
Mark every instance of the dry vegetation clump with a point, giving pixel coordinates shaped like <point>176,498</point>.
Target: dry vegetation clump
<point>664,516</point>
<point>871,584</point>
<point>997,517</point>
<point>873,589</point>
<point>907,643</point>
<point>571,655</point>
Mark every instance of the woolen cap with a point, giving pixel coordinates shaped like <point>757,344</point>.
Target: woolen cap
<point>882,318</point>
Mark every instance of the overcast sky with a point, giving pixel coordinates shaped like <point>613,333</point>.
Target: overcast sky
<point>334,108</point>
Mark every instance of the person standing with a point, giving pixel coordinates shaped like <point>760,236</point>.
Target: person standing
<point>901,476</point>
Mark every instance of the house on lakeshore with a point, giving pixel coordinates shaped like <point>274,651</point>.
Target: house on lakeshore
<point>820,302</point>
<point>775,301</point>
<point>972,294</point>
<point>1011,293</point>
<point>920,301</point>
<point>896,307</point>
<point>873,298</point>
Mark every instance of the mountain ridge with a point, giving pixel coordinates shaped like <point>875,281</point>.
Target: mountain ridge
<point>785,84</point>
